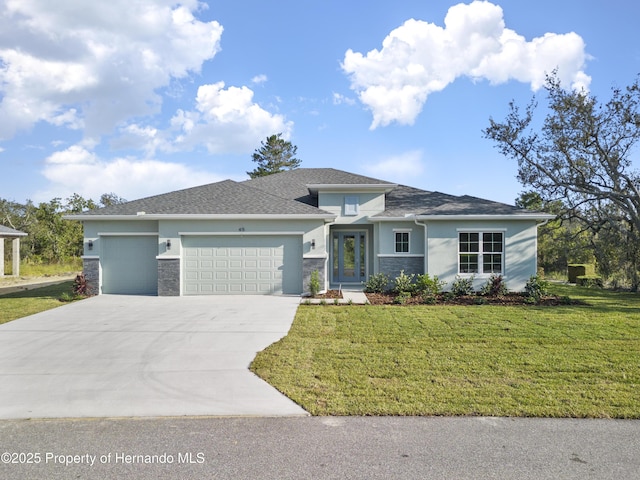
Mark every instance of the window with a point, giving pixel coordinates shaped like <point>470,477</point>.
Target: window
<point>351,204</point>
<point>481,252</point>
<point>402,242</point>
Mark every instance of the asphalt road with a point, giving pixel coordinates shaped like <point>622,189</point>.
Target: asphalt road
<point>320,448</point>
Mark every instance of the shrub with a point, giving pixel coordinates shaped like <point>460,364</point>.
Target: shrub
<point>314,283</point>
<point>426,285</point>
<point>428,299</point>
<point>462,286</point>
<point>80,287</point>
<point>589,281</point>
<point>402,298</point>
<point>376,283</point>
<point>403,283</point>
<point>536,287</point>
<point>495,286</point>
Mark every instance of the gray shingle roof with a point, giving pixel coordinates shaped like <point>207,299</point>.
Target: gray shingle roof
<point>287,193</point>
<point>222,198</point>
<point>10,232</point>
<point>292,184</point>
<point>405,200</point>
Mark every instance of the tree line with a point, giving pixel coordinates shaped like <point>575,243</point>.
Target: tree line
<point>50,239</point>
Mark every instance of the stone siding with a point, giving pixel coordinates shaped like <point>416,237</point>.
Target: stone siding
<point>169,277</point>
<point>392,266</point>
<point>308,266</point>
<point>91,270</point>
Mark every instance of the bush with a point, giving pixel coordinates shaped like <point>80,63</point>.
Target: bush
<point>536,287</point>
<point>403,283</point>
<point>314,283</point>
<point>402,298</point>
<point>462,286</point>
<point>80,287</point>
<point>376,283</point>
<point>589,281</point>
<point>426,285</point>
<point>495,286</point>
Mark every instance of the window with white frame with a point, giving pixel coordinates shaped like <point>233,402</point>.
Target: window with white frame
<point>402,241</point>
<point>351,205</point>
<point>481,252</point>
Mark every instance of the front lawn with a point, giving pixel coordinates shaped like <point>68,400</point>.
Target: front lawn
<point>27,302</point>
<point>560,361</point>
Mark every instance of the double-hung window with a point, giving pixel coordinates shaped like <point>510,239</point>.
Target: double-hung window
<point>481,252</point>
<point>402,242</point>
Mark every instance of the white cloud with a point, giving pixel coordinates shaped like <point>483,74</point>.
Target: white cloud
<point>225,120</point>
<point>339,99</point>
<point>79,170</point>
<point>258,79</point>
<point>404,167</point>
<point>419,58</point>
<point>93,64</point>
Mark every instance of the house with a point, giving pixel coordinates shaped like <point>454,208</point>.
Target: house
<point>267,235</point>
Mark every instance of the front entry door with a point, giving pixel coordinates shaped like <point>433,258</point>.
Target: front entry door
<point>349,257</point>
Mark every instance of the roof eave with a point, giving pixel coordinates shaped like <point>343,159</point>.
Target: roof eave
<point>314,188</point>
<point>538,217</point>
<point>187,216</point>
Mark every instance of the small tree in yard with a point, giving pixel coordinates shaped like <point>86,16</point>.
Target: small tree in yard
<point>274,156</point>
<point>581,156</point>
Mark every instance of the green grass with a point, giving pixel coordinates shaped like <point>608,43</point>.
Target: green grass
<point>28,269</point>
<point>567,361</point>
<point>20,304</point>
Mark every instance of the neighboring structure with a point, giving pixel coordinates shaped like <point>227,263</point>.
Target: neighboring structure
<point>7,233</point>
<point>266,236</point>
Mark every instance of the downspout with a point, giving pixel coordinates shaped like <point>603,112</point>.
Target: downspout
<point>423,225</point>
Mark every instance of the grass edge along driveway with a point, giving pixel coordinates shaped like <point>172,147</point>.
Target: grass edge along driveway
<point>27,302</point>
<point>566,361</point>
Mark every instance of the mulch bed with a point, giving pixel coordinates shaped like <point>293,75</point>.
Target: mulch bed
<point>510,299</point>
<point>330,295</point>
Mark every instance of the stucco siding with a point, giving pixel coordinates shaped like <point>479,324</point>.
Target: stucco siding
<point>519,250</point>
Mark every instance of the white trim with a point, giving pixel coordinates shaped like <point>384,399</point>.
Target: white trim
<point>187,216</point>
<point>168,257</point>
<point>515,217</point>
<point>237,234</point>
<point>400,255</point>
<point>90,257</point>
<point>351,187</point>
<point>402,230</point>
<point>318,257</point>
<point>481,230</point>
<point>128,234</point>
<point>395,240</point>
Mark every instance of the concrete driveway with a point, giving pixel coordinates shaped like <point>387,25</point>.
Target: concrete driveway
<point>121,356</point>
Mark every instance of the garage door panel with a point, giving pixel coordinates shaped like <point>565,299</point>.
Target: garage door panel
<point>250,265</point>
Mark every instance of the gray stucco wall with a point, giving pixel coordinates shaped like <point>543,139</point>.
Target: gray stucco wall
<point>168,277</point>
<point>308,266</point>
<point>91,270</point>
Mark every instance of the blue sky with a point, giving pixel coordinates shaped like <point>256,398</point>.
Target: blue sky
<point>148,96</point>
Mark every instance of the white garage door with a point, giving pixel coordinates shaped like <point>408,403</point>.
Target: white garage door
<point>262,264</point>
<point>129,265</point>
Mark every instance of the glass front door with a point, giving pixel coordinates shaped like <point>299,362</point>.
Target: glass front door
<point>349,257</point>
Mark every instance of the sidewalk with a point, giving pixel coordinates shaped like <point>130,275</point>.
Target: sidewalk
<point>349,297</point>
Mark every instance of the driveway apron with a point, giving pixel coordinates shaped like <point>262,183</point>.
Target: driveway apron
<point>123,356</point>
